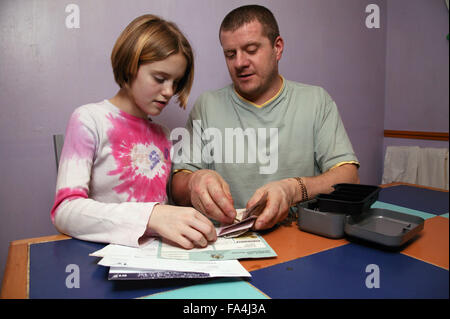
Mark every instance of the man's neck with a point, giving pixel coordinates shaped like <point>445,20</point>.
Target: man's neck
<point>270,93</point>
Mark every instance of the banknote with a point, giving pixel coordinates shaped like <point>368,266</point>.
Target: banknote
<point>244,221</point>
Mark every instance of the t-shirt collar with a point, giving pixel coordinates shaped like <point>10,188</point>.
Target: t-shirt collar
<point>268,101</point>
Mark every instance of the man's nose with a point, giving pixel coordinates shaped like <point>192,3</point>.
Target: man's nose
<point>241,61</point>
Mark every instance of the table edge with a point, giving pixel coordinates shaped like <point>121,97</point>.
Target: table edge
<point>15,278</point>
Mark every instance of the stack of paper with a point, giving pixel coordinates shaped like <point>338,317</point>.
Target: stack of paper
<point>159,260</point>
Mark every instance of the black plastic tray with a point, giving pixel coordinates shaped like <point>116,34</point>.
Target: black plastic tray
<point>348,199</point>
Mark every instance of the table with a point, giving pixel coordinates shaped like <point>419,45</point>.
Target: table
<point>307,265</point>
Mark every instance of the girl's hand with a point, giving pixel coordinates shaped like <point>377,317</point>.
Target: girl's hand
<point>184,226</point>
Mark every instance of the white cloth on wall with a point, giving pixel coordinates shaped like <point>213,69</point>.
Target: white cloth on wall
<point>411,164</point>
<point>400,164</point>
<point>432,169</point>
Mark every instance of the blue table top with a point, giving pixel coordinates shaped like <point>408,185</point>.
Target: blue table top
<point>339,272</point>
<point>421,199</point>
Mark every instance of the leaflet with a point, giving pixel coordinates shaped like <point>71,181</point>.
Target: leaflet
<point>123,273</point>
<point>225,268</point>
<point>250,245</point>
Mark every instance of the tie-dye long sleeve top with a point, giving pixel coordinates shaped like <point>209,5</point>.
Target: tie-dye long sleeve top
<point>113,170</point>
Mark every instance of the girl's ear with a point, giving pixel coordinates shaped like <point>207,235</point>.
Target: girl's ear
<point>126,85</point>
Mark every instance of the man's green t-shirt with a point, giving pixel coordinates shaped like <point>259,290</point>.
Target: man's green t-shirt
<point>297,133</point>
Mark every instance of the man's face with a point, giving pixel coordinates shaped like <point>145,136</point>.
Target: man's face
<point>252,61</point>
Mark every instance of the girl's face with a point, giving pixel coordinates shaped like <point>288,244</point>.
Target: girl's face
<point>155,84</point>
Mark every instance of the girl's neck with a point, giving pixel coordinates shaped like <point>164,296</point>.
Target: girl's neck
<point>126,104</point>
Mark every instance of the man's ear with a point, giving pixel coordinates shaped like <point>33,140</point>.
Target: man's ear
<point>278,46</point>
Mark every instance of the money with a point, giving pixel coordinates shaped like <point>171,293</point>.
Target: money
<point>245,219</point>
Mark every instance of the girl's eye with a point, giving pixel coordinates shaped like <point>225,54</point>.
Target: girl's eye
<point>159,79</point>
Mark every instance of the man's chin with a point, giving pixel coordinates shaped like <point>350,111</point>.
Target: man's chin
<point>246,91</point>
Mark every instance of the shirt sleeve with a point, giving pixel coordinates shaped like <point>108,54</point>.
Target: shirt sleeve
<point>188,145</point>
<point>187,152</point>
<point>79,216</point>
<point>332,146</point>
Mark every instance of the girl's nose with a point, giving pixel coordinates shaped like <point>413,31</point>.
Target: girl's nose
<point>168,90</point>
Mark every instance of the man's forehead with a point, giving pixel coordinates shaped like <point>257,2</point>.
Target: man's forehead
<point>247,33</point>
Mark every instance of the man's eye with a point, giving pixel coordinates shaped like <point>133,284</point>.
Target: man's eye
<point>229,54</point>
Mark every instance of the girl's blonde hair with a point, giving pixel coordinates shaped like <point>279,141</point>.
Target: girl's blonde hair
<point>147,39</point>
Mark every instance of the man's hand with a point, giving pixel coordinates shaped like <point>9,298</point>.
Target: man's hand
<point>210,194</point>
<point>285,193</point>
<point>281,195</point>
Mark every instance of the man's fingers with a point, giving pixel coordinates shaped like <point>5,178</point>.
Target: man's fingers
<point>211,195</point>
<point>269,216</point>
<point>207,206</point>
<point>259,193</point>
<point>223,202</point>
<point>197,204</point>
<point>227,191</point>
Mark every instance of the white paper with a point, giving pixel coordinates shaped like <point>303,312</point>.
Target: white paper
<point>226,268</point>
<point>145,258</point>
<point>149,249</point>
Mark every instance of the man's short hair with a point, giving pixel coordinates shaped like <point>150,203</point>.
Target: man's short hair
<point>249,13</point>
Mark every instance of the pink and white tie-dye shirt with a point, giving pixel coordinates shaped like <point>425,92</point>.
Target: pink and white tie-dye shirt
<point>113,170</point>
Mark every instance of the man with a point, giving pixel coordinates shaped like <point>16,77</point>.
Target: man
<point>297,125</point>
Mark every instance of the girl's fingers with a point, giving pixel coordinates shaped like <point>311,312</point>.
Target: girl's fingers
<point>204,225</point>
<point>195,237</point>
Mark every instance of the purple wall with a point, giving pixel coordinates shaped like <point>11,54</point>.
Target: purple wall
<point>417,66</point>
<point>46,70</point>
<point>417,70</point>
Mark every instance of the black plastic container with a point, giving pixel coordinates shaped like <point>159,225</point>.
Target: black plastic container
<point>348,199</point>
<point>346,211</point>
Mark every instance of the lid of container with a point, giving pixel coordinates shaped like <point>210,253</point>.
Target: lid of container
<point>385,227</point>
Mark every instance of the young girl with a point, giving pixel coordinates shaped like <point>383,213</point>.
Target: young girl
<point>115,162</point>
